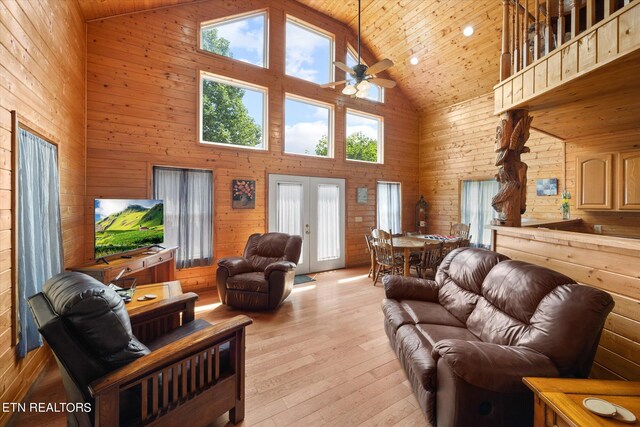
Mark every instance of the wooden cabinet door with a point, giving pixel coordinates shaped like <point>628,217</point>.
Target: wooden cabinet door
<point>629,180</point>
<point>595,179</point>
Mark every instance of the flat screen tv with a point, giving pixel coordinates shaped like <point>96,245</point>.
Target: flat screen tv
<point>123,225</point>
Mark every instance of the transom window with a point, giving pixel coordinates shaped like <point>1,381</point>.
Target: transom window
<point>376,93</point>
<point>232,112</point>
<point>364,137</point>
<point>308,127</point>
<point>309,52</point>
<point>239,37</point>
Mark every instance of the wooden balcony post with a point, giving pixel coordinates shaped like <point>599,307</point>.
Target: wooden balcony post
<point>505,58</point>
<point>536,40</point>
<point>547,37</point>
<point>575,19</point>
<point>591,13</point>
<point>560,35</point>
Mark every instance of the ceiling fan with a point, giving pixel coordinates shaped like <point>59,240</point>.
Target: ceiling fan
<point>360,77</point>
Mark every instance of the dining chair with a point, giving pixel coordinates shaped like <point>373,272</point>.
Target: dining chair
<point>447,247</point>
<point>371,252</point>
<point>387,262</point>
<point>464,243</point>
<point>431,253</point>
<point>460,230</point>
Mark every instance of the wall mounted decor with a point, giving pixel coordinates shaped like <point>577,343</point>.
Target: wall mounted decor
<point>362,195</point>
<point>243,194</point>
<point>547,187</point>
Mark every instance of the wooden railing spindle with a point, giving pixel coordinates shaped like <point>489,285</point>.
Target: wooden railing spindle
<point>560,35</point>
<point>591,13</point>
<point>505,58</point>
<point>575,19</point>
<point>609,7</point>
<point>536,40</point>
<point>547,37</point>
<point>516,51</point>
<point>525,35</point>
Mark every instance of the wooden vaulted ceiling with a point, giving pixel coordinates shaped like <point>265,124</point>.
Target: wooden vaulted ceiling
<point>452,67</point>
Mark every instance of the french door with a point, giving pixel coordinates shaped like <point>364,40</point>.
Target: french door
<point>313,208</point>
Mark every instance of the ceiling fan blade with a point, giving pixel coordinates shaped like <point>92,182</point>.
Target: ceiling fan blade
<point>344,67</point>
<point>333,84</point>
<point>380,66</point>
<point>383,82</point>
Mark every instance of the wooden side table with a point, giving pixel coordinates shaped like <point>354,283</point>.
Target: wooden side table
<point>170,309</point>
<point>558,401</point>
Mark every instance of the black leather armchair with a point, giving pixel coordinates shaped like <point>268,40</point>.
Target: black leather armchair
<point>263,277</point>
<point>194,373</point>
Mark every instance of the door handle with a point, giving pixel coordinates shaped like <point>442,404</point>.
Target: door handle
<point>306,229</point>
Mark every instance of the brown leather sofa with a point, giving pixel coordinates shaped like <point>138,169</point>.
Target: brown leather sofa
<point>263,277</point>
<point>466,339</point>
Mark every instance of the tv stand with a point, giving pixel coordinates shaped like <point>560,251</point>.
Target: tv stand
<point>161,265</point>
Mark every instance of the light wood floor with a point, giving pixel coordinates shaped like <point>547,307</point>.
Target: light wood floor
<point>322,358</point>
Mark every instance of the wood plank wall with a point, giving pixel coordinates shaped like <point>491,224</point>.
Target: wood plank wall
<point>457,143</point>
<point>42,77</point>
<point>592,261</point>
<point>142,83</point>
<point>618,223</point>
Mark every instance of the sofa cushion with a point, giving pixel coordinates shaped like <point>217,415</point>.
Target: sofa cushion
<point>460,277</point>
<point>437,333</point>
<point>249,282</point>
<point>412,312</point>
<point>414,352</point>
<point>494,326</point>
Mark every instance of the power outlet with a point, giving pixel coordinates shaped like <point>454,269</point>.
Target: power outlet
<point>597,229</point>
<point>358,219</point>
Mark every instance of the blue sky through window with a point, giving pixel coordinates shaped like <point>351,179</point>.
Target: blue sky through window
<point>245,36</point>
<point>309,54</point>
<point>305,124</point>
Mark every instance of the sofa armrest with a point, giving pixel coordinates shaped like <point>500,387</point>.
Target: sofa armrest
<point>235,265</point>
<point>279,266</point>
<point>491,366</point>
<point>400,287</point>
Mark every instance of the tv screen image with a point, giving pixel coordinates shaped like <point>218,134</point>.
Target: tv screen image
<point>123,225</point>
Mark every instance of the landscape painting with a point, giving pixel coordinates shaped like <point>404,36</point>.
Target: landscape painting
<point>124,224</point>
<point>547,187</point>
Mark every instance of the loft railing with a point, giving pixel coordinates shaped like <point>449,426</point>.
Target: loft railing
<point>533,28</point>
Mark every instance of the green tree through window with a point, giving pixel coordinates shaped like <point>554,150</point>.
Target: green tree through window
<point>225,118</point>
<point>359,147</point>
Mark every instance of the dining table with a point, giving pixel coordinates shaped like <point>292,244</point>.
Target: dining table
<point>414,243</point>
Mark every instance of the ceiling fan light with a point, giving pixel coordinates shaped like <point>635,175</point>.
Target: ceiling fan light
<point>349,90</point>
<point>362,94</point>
<point>363,86</point>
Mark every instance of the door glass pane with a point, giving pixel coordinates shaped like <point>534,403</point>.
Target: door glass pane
<point>328,222</point>
<point>289,210</point>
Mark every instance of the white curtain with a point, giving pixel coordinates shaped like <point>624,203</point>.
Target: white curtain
<point>39,228</point>
<point>476,209</point>
<point>328,222</point>
<point>289,205</point>
<point>188,216</point>
<point>389,207</point>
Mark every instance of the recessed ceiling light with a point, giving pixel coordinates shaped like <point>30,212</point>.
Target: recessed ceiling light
<point>468,30</point>
<point>414,60</point>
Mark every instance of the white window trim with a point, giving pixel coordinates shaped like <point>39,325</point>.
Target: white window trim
<point>380,135</point>
<point>400,198</point>
<point>352,52</point>
<point>234,18</point>
<point>243,85</point>
<point>331,130</point>
<point>312,28</point>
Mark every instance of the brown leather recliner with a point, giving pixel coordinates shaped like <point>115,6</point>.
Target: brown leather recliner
<point>466,339</point>
<point>263,277</point>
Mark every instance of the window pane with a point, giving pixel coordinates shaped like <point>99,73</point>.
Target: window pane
<point>289,215</point>
<point>187,195</point>
<point>307,129</point>
<point>328,222</point>
<point>232,113</point>
<point>308,53</point>
<point>239,38</point>
<point>389,207</point>
<point>364,138</point>
<point>375,92</point>
<point>476,209</point>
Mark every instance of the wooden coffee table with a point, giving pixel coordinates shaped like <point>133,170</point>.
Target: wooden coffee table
<point>170,309</point>
<point>558,401</point>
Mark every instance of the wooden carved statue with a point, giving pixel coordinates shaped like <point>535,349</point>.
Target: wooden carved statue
<point>511,136</point>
